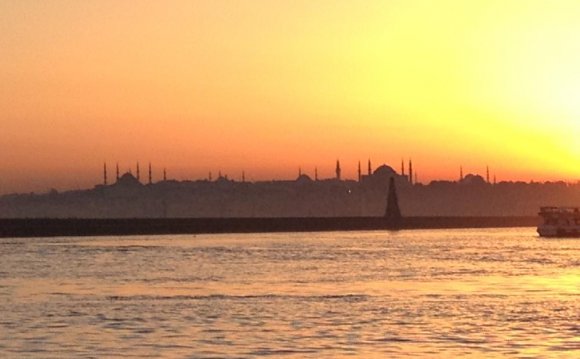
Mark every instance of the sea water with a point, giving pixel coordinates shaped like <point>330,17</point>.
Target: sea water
<point>438,293</point>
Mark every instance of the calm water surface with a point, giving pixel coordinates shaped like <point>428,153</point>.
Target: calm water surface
<point>478,293</point>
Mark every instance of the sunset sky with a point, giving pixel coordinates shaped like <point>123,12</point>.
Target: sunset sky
<point>268,86</point>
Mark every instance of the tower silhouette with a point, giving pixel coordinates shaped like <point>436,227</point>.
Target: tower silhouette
<point>460,173</point>
<point>138,174</point>
<point>369,167</point>
<point>410,171</point>
<point>105,173</point>
<point>117,171</point>
<point>487,174</point>
<point>316,173</point>
<point>393,212</point>
<point>338,171</point>
<point>150,174</point>
<point>164,175</point>
<point>402,167</point>
<point>359,172</point>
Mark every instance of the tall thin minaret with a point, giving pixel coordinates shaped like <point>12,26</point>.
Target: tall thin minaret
<point>338,170</point>
<point>487,174</point>
<point>209,177</point>
<point>138,174</point>
<point>243,176</point>
<point>369,167</point>
<point>416,177</point>
<point>117,170</point>
<point>316,173</point>
<point>494,180</point>
<point>359,172</point>
<point>105,174</point>
<point>164,175</point>
<point>460,173</point>
<point>402,167</point>
<point>410,171</point>
<point>150,174</point>
<point>299,171</point>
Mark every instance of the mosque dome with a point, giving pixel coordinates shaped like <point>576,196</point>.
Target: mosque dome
<point>472,179</point>
<point>303,179</point>
<point>385,171</point>
<point>128,179</point>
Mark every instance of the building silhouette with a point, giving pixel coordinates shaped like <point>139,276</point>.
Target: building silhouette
<point>128,197</point>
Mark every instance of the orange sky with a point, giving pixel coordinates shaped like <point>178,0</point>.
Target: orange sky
<point>268,86</point>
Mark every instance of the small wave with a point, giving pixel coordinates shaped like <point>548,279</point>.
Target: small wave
<point>183,280</point>
<point>277,352</point>
<point>393,339</point>
<point>346,297</point>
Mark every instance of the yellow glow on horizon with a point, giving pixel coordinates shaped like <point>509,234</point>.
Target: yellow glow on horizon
<point>268,86</point>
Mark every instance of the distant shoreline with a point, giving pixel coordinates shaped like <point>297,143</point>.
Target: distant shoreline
<point>33,227</point>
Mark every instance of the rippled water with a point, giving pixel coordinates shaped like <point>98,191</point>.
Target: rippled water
<point>481,293</point>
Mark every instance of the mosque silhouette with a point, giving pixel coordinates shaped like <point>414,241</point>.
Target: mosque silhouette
<point>140,194</point>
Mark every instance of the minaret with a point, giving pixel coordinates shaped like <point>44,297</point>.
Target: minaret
<point>410,171</point>
<point>338,171</point>
<point>460,173</point>
<point>209,177</point>
<point>316,173</point>
<point>487,174</point>
<point>117,168</point>
<point>243,176</point>
<point>299,171</point>
<point>416,177</point>
<point>359,172</point>
<point>105,174</point>
<point>164,175</point>
<point>369,167</point>
<point>150,174</point>
<point>138,174</point>
<point>402,167</point>
<point>494,180</point>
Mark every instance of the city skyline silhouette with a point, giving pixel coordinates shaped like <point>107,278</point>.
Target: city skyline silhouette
<point>289,178</point>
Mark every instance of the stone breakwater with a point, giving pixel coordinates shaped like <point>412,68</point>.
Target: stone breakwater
<point>152,226</point>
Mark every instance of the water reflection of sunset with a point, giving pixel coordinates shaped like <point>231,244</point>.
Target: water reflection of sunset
<point>448,293</point>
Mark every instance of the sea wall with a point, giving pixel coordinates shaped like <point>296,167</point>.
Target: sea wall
<point>151,226</point>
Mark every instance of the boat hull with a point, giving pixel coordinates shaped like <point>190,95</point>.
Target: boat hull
<point>554,231</point>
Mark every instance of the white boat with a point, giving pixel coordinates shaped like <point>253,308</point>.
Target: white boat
<point>560,222</point>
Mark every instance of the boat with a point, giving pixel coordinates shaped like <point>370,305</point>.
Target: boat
<point>559,222</point>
